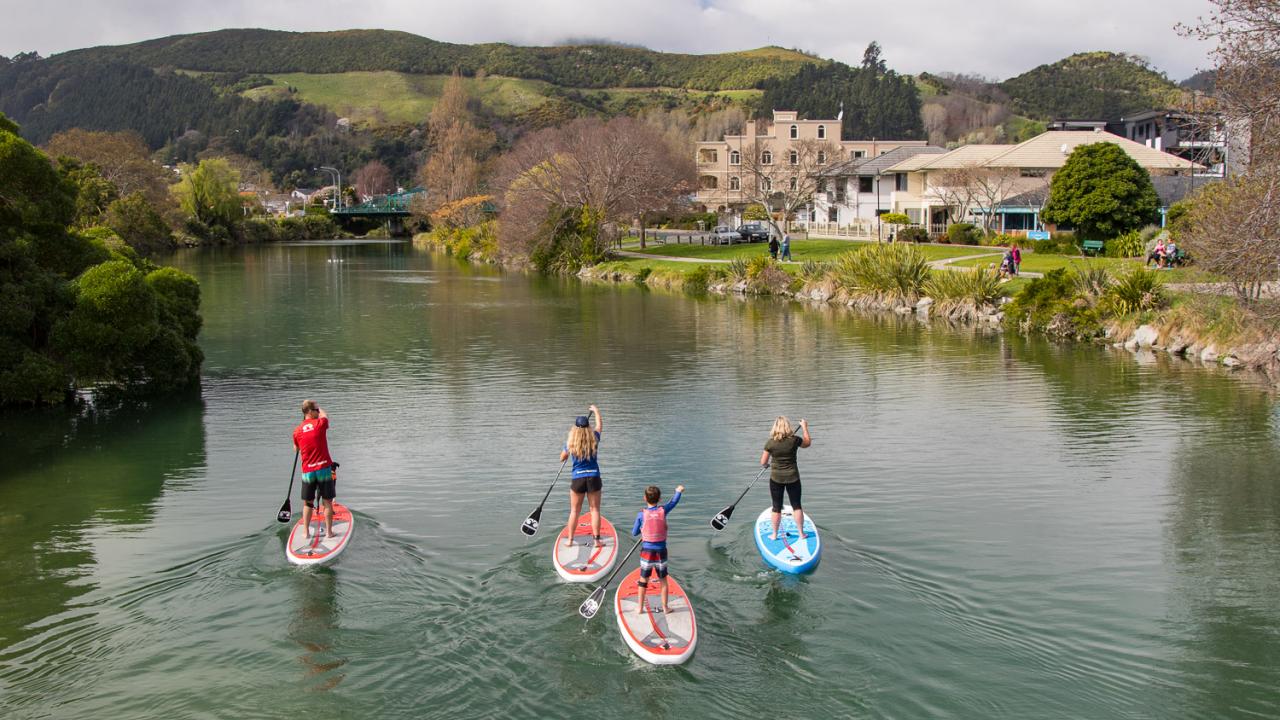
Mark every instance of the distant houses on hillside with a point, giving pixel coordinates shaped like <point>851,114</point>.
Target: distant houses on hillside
<point>1002,187</point>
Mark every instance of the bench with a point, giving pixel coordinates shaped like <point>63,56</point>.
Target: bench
<point>1091,247</point>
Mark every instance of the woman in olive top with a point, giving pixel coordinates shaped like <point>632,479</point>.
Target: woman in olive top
<point>782,447</point>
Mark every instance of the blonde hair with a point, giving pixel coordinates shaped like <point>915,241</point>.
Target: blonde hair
<point>309,406</point>
<point>581,442</point>
<point>781,428</point>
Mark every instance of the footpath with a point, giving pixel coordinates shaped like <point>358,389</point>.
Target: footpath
<point>943,264</point>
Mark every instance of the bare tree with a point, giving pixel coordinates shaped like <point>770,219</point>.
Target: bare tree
<point>784,178</point>
<point>457,147</point>
<point>619,170</point>
<point>1233,228</point>
<point>374,178</point>
<point>956,187</point>
<point>993,186</point>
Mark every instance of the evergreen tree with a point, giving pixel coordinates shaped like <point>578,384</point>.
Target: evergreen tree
<point>1102,192</point>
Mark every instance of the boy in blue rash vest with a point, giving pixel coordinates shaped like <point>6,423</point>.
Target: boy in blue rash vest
<point>651,525</point>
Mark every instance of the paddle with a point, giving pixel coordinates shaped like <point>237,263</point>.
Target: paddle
<point>591,605</point>
<point>722,517</point>
<point>286,510</point>
<point>530,525</point>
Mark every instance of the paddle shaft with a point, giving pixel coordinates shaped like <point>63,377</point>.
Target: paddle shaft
<point>553,485</point>
<point>749,486</point>
<point>287,507</point>
<point>621,564</point>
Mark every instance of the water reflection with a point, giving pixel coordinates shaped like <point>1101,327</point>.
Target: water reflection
<point>314,624</point>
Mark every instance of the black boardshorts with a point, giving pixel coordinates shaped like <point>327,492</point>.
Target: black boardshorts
<point>587,484</point>
<point>326,488</point>
<point>793,495</point>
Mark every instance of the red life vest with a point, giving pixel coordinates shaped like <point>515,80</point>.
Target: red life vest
<point>654,528</point>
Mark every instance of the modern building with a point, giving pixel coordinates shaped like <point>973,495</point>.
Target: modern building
<point>1200,138</point>
<point>722,176</point>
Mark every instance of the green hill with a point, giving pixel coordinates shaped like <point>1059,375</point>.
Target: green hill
<point>577,66</point>
<point>1094,85</point>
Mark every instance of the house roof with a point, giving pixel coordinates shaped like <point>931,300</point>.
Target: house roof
<point>1170,188</point>
<point>963,156</point>
<point>877,164</point>
<point>1050,150</point>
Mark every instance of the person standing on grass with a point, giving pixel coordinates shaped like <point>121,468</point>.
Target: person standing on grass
<point>786,246</point>
<point>1016,253</point>
<point>773,246</point>
<point>785,475</point>
<point>581,445</point>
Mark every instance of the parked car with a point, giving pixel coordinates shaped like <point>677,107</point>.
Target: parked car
<point>725,235</point>
<point>754,232</point>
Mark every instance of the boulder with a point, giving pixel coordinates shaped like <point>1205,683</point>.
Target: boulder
<point>1178,345</point>
<point>1209,354</point>
<point>1231,361</point>
<point>1146,336</point>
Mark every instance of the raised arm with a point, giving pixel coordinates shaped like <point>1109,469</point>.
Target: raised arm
<point>322,413</point>
<point>599,419</point>
<point>675,499</point>
<point>805,440</point>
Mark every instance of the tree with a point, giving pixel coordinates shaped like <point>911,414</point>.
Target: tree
<point>582,179</point>
<point>452,170</point>
<point>1233,228</point>
<point>209,192</point>
<point>93,192</point>
<point>785,179</point>
<point>1102,192</point>
<point>374,178</point>
<point>122,159</point>
<point>137,223</point>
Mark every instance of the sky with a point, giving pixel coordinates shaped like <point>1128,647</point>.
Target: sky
<point>994,38</point>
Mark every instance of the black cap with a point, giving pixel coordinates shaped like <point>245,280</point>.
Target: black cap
<point>582,421</point>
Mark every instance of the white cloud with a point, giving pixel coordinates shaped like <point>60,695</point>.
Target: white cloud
<point>997,38</point>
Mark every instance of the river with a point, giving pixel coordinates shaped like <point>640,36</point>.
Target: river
<point>1012,528</point>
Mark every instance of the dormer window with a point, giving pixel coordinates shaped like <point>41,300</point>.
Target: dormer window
<point>795,131</point>
<point>822,132</point>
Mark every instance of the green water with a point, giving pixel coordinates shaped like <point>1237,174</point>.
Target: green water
<point>1011,529</point>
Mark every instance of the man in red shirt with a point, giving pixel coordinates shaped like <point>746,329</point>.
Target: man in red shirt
<point>312,441</point>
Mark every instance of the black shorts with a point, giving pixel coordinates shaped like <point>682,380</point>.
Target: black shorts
<point>326,488</point>
<point>587,484</point>
<point>793,495</point>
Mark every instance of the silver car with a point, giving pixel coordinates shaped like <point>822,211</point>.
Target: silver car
<point>725,235</point>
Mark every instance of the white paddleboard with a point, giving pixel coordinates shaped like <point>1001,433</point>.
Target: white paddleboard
<point>662,638</point>
<point>788,552</point>
<point>586,560</point>
<point>302,550</point>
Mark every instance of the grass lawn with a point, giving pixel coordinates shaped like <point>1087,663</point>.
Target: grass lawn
<point>801,250</point>
<point>1036,262</point>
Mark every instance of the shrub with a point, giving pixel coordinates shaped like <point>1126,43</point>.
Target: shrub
<point>1001,240</point>
<point>1137,290</point>
<point>963,234</point>
<point>1092,282</point>
<point>259,230</point>
<point>737,269</point>
<point>814,270</point>
<point>1150,232</point>
<point>643,275</point>
<point>913,235</point>
<point>896,270</point>
<point>1048,304</point>
<point>895,219</point>
<point>771,279</point>
<point>695,282</point>
<point>1127,245</point>
<point>757,265</point>
<point>1055,246</point>
<point>981,286</point>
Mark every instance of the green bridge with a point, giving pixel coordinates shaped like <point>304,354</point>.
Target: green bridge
<point>395,205</point>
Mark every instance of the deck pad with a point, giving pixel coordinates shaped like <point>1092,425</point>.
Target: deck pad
<point>662,638</point>
<point>788,552</point>
<point>301,550</point>
<point>586,560</point>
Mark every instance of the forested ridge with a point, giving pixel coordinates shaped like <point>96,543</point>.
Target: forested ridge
<point>1094,85</point>
<point>583,66</point>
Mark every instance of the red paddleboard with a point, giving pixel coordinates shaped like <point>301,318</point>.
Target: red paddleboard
<point>302,550</point>
<point>662,638</point>
<point>585,560</point>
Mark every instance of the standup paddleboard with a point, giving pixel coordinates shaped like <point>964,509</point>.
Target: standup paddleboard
<point>302,550</point>
<point>586,561</point>
<point>788,553</point>
<point>662,638</point>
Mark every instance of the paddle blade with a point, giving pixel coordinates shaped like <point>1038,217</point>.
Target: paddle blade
<point>286,512</point>
<point>718,522</point>
<point>530,526</point>
<point>591,605</point>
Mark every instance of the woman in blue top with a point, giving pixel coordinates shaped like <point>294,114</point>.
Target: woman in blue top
<point>581,445</point>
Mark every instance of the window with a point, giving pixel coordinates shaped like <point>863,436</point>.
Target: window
<point>766,184</point>
<point>840,186</point>
<point>795,132</point>
<point>914,215</point>
<point>708,182</point>
<point>822,132</point>
<point>794,157</point>
<point>794,183</point>
<point>900,182</point>
<point>822,157</point>
<point>1032,172</point>
<point>766,158</point>
<point>735,157</point>
<point>864,184</point>
<point>833,215</point>
<point>859,153</point>
<point>707,155</point>
<point>735,183</point>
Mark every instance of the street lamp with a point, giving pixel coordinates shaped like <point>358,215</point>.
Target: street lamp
<point>337,183</point>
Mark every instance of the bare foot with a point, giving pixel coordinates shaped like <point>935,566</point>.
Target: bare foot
<point>568,543</point>
<point>666,609</point>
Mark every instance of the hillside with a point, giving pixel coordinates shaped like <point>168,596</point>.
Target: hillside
<point>580,66</point>
<point>1094,85</point>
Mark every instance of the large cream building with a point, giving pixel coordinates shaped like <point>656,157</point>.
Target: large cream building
<point>721,175</point>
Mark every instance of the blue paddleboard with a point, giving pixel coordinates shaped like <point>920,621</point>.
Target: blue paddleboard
<point>788,553</point>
